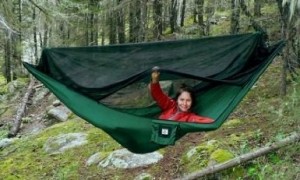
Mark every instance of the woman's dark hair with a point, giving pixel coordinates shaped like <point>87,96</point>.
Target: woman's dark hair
<point>186,88</point>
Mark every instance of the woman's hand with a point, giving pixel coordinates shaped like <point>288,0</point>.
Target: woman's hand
<point>155,74</point>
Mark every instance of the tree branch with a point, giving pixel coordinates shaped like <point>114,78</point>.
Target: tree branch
<point>20,112</point>
<point>41,9</point>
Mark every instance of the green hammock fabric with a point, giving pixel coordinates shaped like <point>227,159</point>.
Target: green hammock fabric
<point>224,68</point>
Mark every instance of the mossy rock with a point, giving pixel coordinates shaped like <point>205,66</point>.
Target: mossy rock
<point>198,157</point>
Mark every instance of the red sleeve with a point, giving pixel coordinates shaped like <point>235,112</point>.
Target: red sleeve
<point>163,101</point>
<point>200,119</point>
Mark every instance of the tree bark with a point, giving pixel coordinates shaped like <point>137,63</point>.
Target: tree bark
<point>111,21</point>
<point>244,158</point>
<point>21,111</point>
<point>121,24</point>
<point>257,8</point>
<point>182,13</point>
<point>157,17</point>
<point>200,15</point>
<point>173,15</point>
<point>131,21</point>
<point>235,17</point>
<point>7,57</point>
<point>35,36</point>
<point>209,11</point>
<point>285,35</point>
<point>254,24</point>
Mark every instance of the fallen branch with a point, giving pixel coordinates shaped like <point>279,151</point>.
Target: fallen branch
<point>243,158</point>
<point>38,86</point>
<point>20,112</point>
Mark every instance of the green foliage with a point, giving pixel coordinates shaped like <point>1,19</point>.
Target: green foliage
<point>3,87</point>
<point>2,80</point>
<point>3,133</point>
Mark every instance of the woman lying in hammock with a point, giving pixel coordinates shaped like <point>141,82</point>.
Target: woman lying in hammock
<point>178,109</point>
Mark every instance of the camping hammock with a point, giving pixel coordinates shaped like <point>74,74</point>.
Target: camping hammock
<point>223,69</point>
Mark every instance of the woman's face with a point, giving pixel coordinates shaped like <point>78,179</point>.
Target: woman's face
<point>184,101</point>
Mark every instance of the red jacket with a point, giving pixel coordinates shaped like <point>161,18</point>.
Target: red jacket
<point>170,110</point>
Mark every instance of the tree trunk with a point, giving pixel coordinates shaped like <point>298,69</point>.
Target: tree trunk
<point>21,110</point>
<point>92,18</point>
<point>200,16</point>
<point>157,18</point>
<point>257,8</point>
<point>111,22</point>
<point>182,13</point>
<point>210,11</point>
<point>18,48</point>
<point>285,35</point>
<point>121,24</point>
<point>132,22</point>
<point>138,24</point>
<point>92,39</point>
<point>235,17</point>
<point>35,36</point>
<point>144,20</point>
<point>136,33</point>
<point>7,57</point>
<point>86,32</point>
<point>45,36</point>
<point>244,158</point>
<point>254,24</point>
<point>173,15</point>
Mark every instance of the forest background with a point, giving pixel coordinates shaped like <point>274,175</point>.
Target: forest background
<point>28,26</point>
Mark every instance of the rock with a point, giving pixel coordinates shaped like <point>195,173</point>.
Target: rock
<point>144,176</point>
<point>59,144</point>
<point>122,158</point>
<point>39,95</point>
<point>6,142</point>
<point>60,113</point>
<point>56,103</point>
<point>210,145</point>
<point>95,159</point>
<point>12,86</point>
